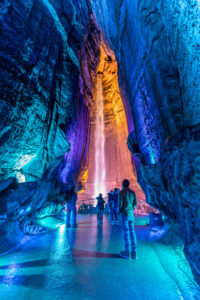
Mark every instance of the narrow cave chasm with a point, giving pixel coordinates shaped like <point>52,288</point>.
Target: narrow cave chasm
<point>92,92</point>
<point>109,160</point>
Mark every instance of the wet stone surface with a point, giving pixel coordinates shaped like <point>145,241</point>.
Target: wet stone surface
<point>84,263</point>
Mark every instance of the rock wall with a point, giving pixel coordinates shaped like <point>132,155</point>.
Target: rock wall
<point>157,48</point>
<point>49,51</point>
<point>74,168</point>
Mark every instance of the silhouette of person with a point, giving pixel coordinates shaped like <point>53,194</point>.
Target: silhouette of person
<point>100,206</point>
<point>127,203</point>
<point>71,207</point>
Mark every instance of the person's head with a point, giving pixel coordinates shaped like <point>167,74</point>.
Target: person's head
<point>100,195</point>
<point>125,183</point>
<point>115,190</point>
<point>72,188</point>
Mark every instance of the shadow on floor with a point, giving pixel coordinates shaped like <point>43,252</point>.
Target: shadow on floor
<point>27,264</point>
<point>36,281</point>
<point>87,222</point>
<point>88,253</point>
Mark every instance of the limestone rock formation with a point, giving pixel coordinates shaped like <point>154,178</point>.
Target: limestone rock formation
<point>49,51</point>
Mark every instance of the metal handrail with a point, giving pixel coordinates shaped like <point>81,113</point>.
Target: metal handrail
<point>90,199</point>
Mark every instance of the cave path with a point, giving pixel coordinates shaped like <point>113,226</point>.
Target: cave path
<point>42,267</point>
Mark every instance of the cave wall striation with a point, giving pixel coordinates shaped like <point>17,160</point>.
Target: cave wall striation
<point>49,51</point>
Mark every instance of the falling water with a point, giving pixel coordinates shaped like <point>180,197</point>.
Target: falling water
<point>100,167</point>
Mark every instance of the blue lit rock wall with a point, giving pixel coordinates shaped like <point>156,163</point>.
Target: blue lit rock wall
<point>157,45</point>
<point>49,51</point>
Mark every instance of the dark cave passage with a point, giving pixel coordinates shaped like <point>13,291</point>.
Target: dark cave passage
<point>92,92</point>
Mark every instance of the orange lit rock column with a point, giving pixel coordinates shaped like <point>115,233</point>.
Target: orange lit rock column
<point>117,156</point>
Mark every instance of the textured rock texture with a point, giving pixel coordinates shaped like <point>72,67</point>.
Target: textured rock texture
<point>173,186</point>
<point>157,48</point>
<point>75,164</point>
<point>48,54</point>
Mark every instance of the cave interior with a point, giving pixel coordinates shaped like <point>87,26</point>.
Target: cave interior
<point>92,92</point>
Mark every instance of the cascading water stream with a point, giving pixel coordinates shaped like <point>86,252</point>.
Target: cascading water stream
<point>100,167</point>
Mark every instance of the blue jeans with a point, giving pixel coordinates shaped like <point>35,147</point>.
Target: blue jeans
<point>100,214</point>
<point>129,233</point>
<point>113,212</point>
<point>71,214</point>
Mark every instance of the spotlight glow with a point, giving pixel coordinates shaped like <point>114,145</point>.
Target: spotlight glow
<point>20,177</point>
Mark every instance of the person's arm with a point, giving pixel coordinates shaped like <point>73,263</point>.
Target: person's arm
<point>120,202</point>
<point>75,197</point>
<point>135,201</point>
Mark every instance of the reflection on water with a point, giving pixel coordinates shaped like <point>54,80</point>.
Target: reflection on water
<point>44,267</point>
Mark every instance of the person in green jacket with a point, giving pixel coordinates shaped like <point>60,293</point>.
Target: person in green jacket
<point>127,203</point>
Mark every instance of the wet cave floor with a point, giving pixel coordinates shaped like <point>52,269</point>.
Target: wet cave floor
<point>43,267</point>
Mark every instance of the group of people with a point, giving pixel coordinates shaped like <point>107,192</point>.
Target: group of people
<point>120,201</point>
<point>113,204</point>
<point>123,202</point>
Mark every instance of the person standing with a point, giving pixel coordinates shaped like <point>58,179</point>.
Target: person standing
<point>5,188</point>
<point>115,206</point>
<point>100,206</point>
<point>71,207</point>
<point>110,203</point>
<point>127,203</point>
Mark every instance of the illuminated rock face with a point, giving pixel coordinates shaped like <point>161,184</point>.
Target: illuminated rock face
<point>74,167</point>
<point>49,53</point>
<point>117,156</point>
<point>47,70</point>
<point>38,84</point>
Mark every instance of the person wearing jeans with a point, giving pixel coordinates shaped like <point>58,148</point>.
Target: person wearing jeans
<point>110,203</point>
<point>129,235</point>
<point>127,203</point>
<point>100,207</point>
<point>71,215</point>
<point>115,207</point>
<point>71,208</point>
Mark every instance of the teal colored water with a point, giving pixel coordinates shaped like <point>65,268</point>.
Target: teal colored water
<point>44,267</point>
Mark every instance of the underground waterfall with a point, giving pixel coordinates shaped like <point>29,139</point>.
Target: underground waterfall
<point>100,166</point>
<point>109,160</point>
